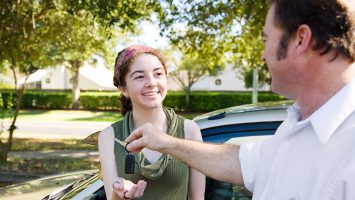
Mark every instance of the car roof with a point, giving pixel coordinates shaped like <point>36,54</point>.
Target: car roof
<point>250,113</point>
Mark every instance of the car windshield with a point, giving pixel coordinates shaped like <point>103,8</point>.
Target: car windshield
<point>73,186</point>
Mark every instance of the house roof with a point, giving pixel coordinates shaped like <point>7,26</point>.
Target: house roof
<point>35,77</point>
<point>99,74</point>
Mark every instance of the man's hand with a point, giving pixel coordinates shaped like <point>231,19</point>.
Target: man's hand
<point>147,136</point>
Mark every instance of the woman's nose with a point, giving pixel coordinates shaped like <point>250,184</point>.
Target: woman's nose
<point>151,82</point>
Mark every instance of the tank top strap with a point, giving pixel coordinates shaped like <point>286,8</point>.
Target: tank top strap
<point>118,130</point>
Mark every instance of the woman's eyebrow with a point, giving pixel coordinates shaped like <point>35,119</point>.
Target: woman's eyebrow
<point>141,71</point>
<point>138,71</point>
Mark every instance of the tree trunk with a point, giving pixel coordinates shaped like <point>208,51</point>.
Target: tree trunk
<point>6,146</point>
<point>3,153</point>
<point>75,65</point>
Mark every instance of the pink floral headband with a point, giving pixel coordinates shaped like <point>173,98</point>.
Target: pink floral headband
<point>132,51</point>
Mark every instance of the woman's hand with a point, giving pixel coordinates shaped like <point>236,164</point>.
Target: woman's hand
<point>126,189</point>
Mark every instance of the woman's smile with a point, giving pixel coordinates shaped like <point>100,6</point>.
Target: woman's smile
<point>151,93</point>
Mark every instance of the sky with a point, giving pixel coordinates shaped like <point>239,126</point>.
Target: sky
<point>149,36</point>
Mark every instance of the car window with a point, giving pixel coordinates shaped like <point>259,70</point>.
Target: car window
<point>221,134</point>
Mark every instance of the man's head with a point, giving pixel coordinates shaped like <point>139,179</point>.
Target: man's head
<point>332,23</point>
<point>299,34</point>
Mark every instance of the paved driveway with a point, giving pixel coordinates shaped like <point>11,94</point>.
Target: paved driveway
<point>56,129</point>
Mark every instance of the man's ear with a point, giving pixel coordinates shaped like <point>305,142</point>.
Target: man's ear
<point>303,38</point>
<point>123,90</point>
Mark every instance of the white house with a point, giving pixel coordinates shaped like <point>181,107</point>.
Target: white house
<point>98,77</point>
<point>91,77</point>
<point>227,80</point>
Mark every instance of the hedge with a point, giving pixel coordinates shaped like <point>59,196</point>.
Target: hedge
<point>199,101</point>
<point>46,100</point>
<point>99,101</point>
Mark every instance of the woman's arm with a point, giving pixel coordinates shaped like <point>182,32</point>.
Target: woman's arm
<point>115,187</point>
<point>197,180</point>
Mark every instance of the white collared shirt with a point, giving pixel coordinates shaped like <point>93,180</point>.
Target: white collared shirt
<point>313,159</point>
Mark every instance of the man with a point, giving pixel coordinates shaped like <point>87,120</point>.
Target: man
<point>310,52</point>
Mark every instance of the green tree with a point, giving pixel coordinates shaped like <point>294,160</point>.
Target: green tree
<point>191,68</point>
<point>233,27</point>
<point>78,38</point>
<point>24,36</point>
<point>264,76</point>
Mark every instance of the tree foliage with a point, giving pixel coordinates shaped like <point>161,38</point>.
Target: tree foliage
<point>76,38</point>
<point>231,29</point>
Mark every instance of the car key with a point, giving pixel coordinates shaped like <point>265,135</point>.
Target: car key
<point>129,162</point>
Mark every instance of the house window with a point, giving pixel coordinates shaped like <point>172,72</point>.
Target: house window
<point>48,80</point>
<point>218,81</point>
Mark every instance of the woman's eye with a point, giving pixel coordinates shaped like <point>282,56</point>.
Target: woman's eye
<point>138,77</point>
<point>159,74</point>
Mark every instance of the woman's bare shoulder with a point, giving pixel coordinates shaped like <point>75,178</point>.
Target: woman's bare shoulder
<point>106,135</point>
<point>192,131</point>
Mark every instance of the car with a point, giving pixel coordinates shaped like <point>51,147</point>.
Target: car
<point>234,125</point>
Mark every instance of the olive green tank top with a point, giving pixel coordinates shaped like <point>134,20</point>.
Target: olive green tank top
<point>173,183</point>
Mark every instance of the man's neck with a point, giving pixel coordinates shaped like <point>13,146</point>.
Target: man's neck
<point>335,75</point>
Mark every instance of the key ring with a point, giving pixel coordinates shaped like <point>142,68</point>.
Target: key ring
<point>125,147</point>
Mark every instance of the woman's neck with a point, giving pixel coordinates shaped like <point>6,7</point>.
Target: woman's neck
<point>154,116</point>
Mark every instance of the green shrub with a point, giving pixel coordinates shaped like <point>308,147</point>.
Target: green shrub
<point>46,100</point>
<point>199,101</point>
<point>6,100</point>
<point>99,101</point>
<point>208,102</point>
<point>175,100</point>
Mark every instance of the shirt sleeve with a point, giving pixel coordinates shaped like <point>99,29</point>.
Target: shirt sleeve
<point>249,157</point>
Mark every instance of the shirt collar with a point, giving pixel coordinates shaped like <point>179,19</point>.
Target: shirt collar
<point>333,113</point>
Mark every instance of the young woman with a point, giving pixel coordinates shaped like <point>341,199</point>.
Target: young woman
<point>141,77</point>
